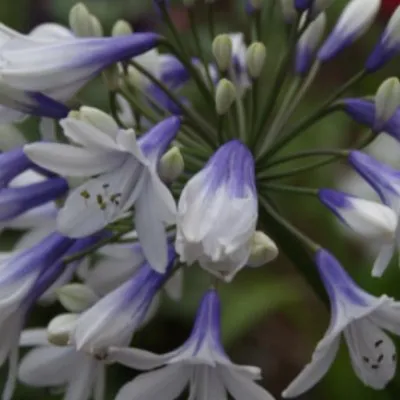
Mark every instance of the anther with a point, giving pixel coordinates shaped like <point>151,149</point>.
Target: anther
<point>378,343</point>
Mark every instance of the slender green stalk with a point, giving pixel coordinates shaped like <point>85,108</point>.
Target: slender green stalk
<point>211,20</point>
<point>207,129</point>
<point>199,48</point>
<point>77,256</point>
<point>241,117</point>
<point>290,189</point>
<point>284,222</point>
<point>112,97</point>
<point>308,153</point>
<point>325,109</point>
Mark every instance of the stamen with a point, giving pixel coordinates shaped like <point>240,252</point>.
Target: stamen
<point>378,343</point>
<point>380,358</point>
<point>85,194</point>
<point>366,359</point>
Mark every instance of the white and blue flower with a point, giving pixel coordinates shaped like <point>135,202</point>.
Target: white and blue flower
<point>200,363</point>
<point>218,211</point>
<point>114,319</point>
<point>126,175</point>
<point>362,319</point>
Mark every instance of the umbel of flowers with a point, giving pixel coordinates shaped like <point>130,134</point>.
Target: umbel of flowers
<point>118,205</point>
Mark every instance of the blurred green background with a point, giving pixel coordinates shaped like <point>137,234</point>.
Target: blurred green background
<point>271,318</point>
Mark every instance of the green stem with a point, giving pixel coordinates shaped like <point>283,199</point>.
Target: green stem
<point>308,153</point>
<point>314,247</point>
<point>211,21</point>
<point>291,189</point>
<point>207,129</point>
<point>144,110</point>
<point>112,97</point>
<point>241,117</point>
<point>320,112</point>
<point>77,256</point>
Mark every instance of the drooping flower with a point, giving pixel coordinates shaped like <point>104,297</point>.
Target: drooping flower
<point>49,366</point>
<point>355,19</point>
<point>200,363</point>
<point>217,212</point>
<point>38,73</point>
<point>362,319</point>
<point>375,222</point>
<point>126,175</point>
<point>113,320</point>
<point>385,180</point>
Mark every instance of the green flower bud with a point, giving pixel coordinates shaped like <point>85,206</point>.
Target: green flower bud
<point>60,328</point>
<point>387,99</point>
<point>122,28</point>
<point>76,297</point>
<point>95,117</point>
<point>171,165</point>
<point>84,24</point>
<point>255,57</point>
<point>289,11</point>
<point>263,250</point>
<point>225,95</point>
<point>222,51</point>
<point>256,4</point>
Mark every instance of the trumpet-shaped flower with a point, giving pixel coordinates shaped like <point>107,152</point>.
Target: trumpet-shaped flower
<point>113,320</point>
<point>217,212</point>
<point>200,363</point>
<point>49,366</point>
<point>126,175</point>
<point>362,319</point>
<point>38,73</point>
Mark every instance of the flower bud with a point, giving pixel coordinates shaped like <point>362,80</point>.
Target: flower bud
<point>84,24</point>
<point>225,95</point>
<point>262,251</point>
<point>308,43</point>
<point>171,165</point>
<point>319,6</point>
<point>95,117</point>
<point>76,297</point>
<point>388,45</point>
<point>60,328</point>
<point>289,11</point>
<point>122,28</point>
<point>222,51</point>
<point>387,100</point>
<point>255,58</point>
<point>355,19</point>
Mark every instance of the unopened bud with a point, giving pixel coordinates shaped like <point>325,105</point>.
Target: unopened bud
<point>171,165</point>
<point>95,117</point>
<point>222,51</point>
<point>320,5</point>
<point>387,100</point>
<point>60,328</point>
<point>225,95</point>
<point>76,297</point>
<point>255,58</point>
<point>263,250</point>
<point>84,24</point>
<point>289,11</point>
<point>122,28</point>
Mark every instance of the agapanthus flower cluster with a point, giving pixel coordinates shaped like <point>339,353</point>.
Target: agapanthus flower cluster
<point>118,205</point>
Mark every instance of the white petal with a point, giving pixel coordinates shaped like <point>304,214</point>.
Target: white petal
<point>70,160</point>
<point>163,384</point>
<point>241,387</point>
<point>141,360</point>
<point>81,384</point>
<point>151,231</point>
<point>50,31</point>
<point>33,337</point>
<point>87,135</point>
<point>313,372</point>
<point>48,366</point>
<point>100,201</point>
<point>383,260</point>
<point>372,352</point>
<point>206,384</point>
